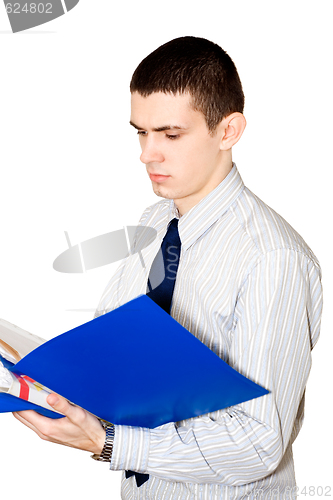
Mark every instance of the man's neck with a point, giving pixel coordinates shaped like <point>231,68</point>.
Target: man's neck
<point>185,204</point>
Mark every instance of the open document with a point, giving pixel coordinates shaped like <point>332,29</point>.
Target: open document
<point>16,343</point>
<point>133,366</point>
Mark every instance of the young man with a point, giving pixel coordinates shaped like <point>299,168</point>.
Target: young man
<point>247,285</point>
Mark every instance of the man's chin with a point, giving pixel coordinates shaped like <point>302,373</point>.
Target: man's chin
<point>162,193</point>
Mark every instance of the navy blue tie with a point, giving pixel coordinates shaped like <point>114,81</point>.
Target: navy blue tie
<point>162,293</point>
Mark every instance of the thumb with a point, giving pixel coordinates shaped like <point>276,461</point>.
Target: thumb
<point>52,400</point>
<point>60,404</point>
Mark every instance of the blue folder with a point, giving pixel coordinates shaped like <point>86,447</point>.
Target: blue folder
<point>134,366</point>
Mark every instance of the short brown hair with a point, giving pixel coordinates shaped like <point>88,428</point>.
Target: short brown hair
<point>194,65</point>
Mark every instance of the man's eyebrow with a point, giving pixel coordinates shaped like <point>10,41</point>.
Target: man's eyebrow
<point>168,127</point>
<point>160,129</point>
<point>135,126</point>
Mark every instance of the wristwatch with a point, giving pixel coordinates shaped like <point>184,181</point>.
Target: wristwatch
<point>106,454</point>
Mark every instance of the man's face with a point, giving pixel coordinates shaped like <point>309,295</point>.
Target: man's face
<point>183,160</point>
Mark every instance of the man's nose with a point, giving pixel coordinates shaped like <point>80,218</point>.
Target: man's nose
<point>151,152</point>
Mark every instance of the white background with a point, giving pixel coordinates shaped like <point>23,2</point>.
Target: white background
<point>70,162</point>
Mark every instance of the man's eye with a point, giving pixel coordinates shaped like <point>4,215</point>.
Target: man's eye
<point>172,137</point>
<point>141,132</point>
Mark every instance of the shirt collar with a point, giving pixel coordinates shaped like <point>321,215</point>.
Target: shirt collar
<point>197,220</point>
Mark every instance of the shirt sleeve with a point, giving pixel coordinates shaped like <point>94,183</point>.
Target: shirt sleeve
<point>277,320</point>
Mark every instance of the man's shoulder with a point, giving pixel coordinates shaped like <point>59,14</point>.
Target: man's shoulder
<point>268,230</point>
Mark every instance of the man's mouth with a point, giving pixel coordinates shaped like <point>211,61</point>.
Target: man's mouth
<point>158,177</point>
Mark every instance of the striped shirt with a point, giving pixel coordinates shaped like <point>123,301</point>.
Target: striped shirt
<point>249,288</point>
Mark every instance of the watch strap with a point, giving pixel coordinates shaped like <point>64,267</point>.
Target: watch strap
<point>106,453</point>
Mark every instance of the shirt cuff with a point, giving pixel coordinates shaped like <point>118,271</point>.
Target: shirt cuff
<point>130,448</point>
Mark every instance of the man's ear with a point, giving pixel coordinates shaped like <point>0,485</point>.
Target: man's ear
<point>231,129</point>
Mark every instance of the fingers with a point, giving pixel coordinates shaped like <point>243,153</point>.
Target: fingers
<point>29,417</point>
<point>79,429</point>
<point>41,425</point>
<point>22,417</point>
<point>31,420</point>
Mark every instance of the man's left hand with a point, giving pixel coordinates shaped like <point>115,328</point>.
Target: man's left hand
<point>78,429</point>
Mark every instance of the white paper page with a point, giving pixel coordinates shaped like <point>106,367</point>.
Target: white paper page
<point>23,342</point>
<point>6,355</point>
<point>34,392</point>
<point>6,379</point>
